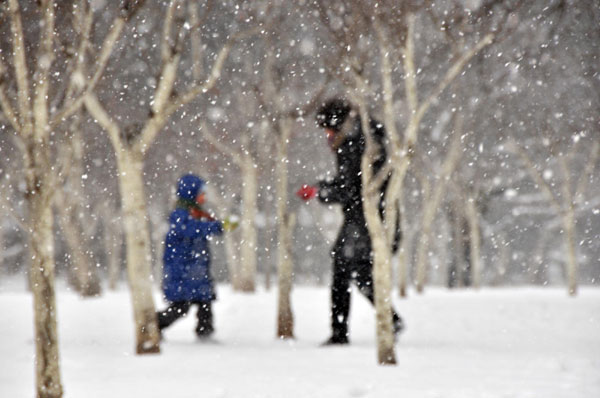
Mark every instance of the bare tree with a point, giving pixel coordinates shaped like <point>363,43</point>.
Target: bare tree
<point>131,144</point>
<point>465,215</point>
<point>417,110</point>
<point>353,26</point>
<point>12,218</point>
<point>356,22</point>
<point>568,201</point>
<point>285,225</point>
<point>243,277</point>
<point>113,241</point>
<point>76,224</point>
<point>434,196</point>
<point>458,262</point>
<point>35,107</point>
<point>281,117</point>
<point>481,33</point>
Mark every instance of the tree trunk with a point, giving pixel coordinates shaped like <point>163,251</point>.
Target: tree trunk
<point>73,216</point>
<point>112,248</point>
<point>403,254</point>
<point>285,225</point>
<point>434,201</point>
<point>233,261</point>
<point>42,281</point>
<point>503,259</point>
<point>382,282</point>
<point>156,244</point>
<point>568,216</point>
<point>72,222</point>
<point>445,253</point>
<point>48,381</point>
<point>571,268</point>
<point>38,175</point>
<point>429,210</point>
<point>382,253</point>
<point>565,210</point>
<point>248,228</point>
<point>423,250</point>
<point>2,252</point>
<point>455,246</point>
<point>137,237</point>
<point>84,275</point>
<point>539,275</point>
<point>269,239</point>
<point>474,242</point>
<point>231,251</point>
<point>285,316</point>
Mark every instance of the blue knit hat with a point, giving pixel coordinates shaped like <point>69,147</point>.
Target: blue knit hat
<point>189,186</point>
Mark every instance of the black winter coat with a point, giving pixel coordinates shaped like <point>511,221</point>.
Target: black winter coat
<point>353,241</point>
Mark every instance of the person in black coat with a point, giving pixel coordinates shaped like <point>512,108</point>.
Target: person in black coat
<point>352,251</point>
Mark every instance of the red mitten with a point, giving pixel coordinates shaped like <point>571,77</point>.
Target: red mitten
<point>307,192</point>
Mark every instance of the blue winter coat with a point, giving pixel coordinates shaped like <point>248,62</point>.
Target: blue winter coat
<point>187,258</point>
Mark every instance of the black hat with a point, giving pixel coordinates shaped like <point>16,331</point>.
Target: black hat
<point>333,113</point>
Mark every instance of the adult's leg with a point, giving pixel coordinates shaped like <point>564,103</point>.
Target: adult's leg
<point>340,300</point>
<point>362,271</point>
<point>205,319</point>
<point>175,311</point>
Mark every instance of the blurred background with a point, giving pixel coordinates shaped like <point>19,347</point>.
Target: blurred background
<point>522,179</point>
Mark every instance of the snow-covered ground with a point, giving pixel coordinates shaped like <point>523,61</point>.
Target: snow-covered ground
<point>504,343</point>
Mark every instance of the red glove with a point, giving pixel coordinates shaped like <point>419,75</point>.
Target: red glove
<point>307,192</point>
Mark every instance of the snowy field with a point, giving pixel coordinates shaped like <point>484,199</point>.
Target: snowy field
<point>500,343</point>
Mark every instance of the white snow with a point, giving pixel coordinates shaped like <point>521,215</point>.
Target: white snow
<point>504,343</point>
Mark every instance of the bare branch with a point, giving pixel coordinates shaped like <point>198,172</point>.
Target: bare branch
<point>409,67</point>
<point>95,108</point>
<point>20,66</point>
<point>129,8</point>
<point>310,105</point>
<point>224,149</point>
<point>270,91</point>
<point>170,60</point>
<point>451,74</point>
<point>263,105</point>
<point>565,186</point>
<point>388,89</point>
<point>535,174</point>
<point>63,168</point>
<point>215,72</point>
<point>155,124</point>
<point>5,103</point>
<point>84,25</point>
<point>589,169</point>
<point>453,155</point>
<point>195,38</point>
<point>41,75</point>
<point>442,25</point>
<point>105,52</point>
<point>382,175</point>
<point>322,7</point>
<point>10,210</point>
<point>165,46</point>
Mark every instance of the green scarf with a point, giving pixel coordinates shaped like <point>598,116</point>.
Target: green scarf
<point>187,204</point>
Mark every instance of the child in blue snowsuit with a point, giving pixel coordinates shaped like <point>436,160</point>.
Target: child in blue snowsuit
<point>187,279</point>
